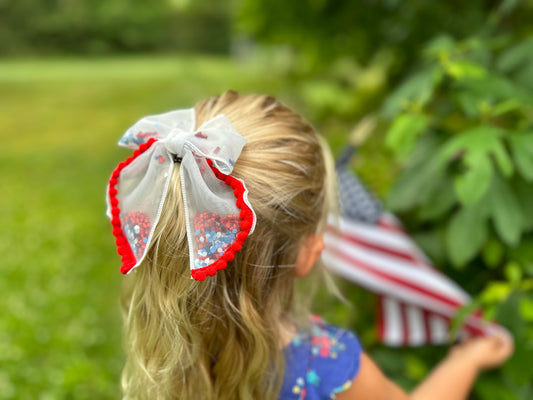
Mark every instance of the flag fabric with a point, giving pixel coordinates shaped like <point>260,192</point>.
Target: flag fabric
<point>369,247</point>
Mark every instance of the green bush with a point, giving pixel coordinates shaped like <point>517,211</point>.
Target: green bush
<point>103,27</point>
<point>462,129</point>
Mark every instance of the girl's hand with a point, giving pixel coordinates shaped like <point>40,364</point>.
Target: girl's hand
<point>451,379</point>
<point>484,352</point>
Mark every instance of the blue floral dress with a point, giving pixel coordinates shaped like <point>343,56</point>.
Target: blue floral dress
<point>321,363</point>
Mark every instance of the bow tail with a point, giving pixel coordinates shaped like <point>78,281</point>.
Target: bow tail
<point>218,215</point>
<point>136,193</point>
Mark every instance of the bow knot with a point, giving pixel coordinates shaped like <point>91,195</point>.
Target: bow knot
<point>175,141</point>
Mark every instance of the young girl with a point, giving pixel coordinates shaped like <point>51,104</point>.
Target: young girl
<point>234,193</point>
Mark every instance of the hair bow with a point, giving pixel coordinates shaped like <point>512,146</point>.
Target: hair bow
<point>218,214</point>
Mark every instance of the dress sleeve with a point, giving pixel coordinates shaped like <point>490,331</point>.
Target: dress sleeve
<point>337,358</point>
<point>349,362</point>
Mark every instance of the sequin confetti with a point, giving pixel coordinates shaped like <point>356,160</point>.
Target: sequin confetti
<point>213,235</point>
<point>136,227</point>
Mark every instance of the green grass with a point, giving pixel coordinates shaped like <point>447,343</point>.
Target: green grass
<point>61,119</point>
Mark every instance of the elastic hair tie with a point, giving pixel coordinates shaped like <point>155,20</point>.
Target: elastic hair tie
<point>218,215</point>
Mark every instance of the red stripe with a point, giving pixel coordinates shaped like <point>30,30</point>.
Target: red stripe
<point>390,225</point>
<point>416,288</point>
<point>376,247</point>
<point>394,279</point>
<point>383,327</point>
<point>427,327</point>
<point>468,325</point>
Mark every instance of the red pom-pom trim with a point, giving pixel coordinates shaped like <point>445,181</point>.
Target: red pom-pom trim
<point>123,247</point>
<point>246,223</point>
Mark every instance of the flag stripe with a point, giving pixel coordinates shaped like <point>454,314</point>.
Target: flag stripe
<point>380,282</point>
<point>427,327</point>
<point>397,241</point>
<point>392,322</point>
<point>422,281</point>
<point>415,321</point>
<point>439,328</point>
<point>405,324</point>
<point>373,245</point>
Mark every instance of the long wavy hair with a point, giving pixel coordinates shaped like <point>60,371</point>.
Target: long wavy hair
<point>222,338</point>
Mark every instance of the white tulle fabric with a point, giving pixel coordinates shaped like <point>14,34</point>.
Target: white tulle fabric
<point>212,216</point>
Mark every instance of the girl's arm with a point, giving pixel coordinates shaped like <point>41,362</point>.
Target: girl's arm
<point>452,379</point>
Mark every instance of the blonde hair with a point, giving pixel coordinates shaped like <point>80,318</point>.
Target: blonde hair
<point>221,338</point>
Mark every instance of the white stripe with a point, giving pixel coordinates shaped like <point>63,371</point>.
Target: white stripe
<point>380,285</point>
<point>416,327</point>
<point>430,279</point>
<point>392,323</point>
<point>395,240</point>
<point>391,219</point>
<point>438,327</point>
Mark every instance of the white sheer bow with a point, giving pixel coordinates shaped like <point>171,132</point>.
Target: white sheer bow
<point>218,214</point>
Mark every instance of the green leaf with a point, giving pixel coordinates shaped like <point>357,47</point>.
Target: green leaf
<point>417,89</point>
<point>510,315</point>
<point>516,56</point>
<point>440,201</point>
<point>526,308</point>
<point>441,46</point>
<point>522,150</point>
<point>462,70</point>
<point>404,131</point>
<point>504,162</point>
<point>506,106</point>
<point>505,211</point>
<point>415,185</point>
<point>495,292</point>
<point>524,193</point>
<point>523,254</point>
<point>432,244</point>
<point>475,147</point>
<point>461,315</point>
<point>513,272</point>
<point>465,235</point>
<point>469,102</point>
<point>493,252</point>
<point>472,185</point>
<point>491,89</point>
<point>479,139</point>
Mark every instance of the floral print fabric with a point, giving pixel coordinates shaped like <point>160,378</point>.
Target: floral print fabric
<point>320,363</point>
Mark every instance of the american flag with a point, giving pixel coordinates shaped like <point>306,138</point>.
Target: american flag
<point>368,246</point>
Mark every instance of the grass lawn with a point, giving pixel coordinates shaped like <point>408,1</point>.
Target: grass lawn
<point>61,119</point>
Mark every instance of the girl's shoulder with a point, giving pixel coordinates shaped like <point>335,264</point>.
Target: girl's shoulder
<point>320,362</point>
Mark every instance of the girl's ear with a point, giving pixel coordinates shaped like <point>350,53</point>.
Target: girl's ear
<point>309,253</point>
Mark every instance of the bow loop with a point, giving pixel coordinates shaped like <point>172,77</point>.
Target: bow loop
<point>218,214</point>
<point>158,127</point>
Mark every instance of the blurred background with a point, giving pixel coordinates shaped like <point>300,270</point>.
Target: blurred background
<point>450,85</point>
